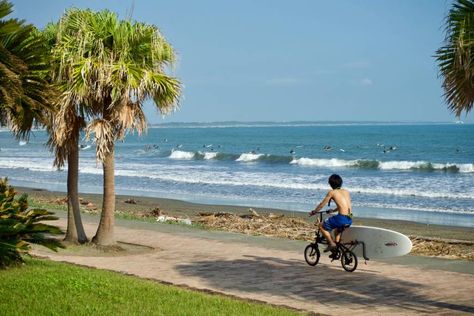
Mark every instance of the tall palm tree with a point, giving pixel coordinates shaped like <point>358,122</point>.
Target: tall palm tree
<point>110,67</point>
<point>64,128</point>
<point>456,57</point>
<point>25,94</point>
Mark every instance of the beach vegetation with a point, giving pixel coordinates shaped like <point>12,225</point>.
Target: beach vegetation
<point>107,69</point>
<point>21,226</point>
<point>25,94</point>
<point>85,291</point>
<point>456,57</point>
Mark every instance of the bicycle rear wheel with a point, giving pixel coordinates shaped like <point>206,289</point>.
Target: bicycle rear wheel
<point>312,254</point>
<point>349,261</point>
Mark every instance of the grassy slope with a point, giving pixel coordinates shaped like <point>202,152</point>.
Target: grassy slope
<point>51,288</point>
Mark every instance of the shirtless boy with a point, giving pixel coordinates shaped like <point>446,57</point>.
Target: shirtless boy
<point>344,209</point>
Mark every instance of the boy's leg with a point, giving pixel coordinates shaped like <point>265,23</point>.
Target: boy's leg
<point>327,235</point>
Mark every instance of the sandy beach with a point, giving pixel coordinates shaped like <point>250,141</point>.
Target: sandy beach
<point>429,240</point>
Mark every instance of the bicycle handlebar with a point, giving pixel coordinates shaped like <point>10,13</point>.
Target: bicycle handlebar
<point>319,212</point>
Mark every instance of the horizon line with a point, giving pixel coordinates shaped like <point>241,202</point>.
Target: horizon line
<point>313,122</point>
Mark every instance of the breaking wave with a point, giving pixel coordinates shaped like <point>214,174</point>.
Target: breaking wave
<point>244,157</point>
<point>422,166</point>
<point>182,155</point>
<point>384,165</point>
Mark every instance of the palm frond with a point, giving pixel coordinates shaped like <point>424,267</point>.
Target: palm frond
<point>109,68</point>
<point>25,94</point>
<point>103,136</point>
<point>456,57</point>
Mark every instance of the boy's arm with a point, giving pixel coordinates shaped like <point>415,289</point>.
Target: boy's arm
<point>323,203</point>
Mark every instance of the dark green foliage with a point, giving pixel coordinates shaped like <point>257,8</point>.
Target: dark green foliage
<point>20,227</point>
<point>25,94</point>
<point>456,57</point>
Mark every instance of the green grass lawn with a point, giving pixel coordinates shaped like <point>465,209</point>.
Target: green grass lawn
<point>43,287</point>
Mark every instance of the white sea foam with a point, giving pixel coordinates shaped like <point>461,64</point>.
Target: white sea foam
<point>215,177</point>
<point>410,192</point>
<point>407,165</point>
<point>411,207</point>
<point>323,162</point>
<point>277,180</point>
<point>382,165</point>
<point>204,175</point>
<point>280,181</point>
<point>465,168</point>
<point>400,165</point>
<point>227,182</point>
<point>182,155</point>
<point>30,164</point>
<point>209,155</point>
<point>247,157</point>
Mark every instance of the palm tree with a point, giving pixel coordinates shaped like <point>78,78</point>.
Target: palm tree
<point>456,57</point>
<point>64,128</point>
<point>109,68</point>
<point>25,95</point>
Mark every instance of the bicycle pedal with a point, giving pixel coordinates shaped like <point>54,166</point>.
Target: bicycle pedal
<point>334,256</point>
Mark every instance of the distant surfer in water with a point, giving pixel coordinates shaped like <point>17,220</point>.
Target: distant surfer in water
<point>343,219</point>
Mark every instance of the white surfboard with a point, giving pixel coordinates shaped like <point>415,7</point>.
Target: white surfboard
<point>379,242</point>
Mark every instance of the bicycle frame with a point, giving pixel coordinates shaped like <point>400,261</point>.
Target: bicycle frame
<point>348,246</point>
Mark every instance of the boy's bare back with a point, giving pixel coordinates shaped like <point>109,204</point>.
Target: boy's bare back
<point>342,199</point>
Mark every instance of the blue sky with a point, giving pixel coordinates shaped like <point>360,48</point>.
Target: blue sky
<point>248,60</point>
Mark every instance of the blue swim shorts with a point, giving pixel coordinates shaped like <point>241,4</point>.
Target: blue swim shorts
<point>337,221</point>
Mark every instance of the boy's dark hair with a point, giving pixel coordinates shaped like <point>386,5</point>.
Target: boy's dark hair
<point>335,181</point>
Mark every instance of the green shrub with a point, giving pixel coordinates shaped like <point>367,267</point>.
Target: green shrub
<point>20,227</point>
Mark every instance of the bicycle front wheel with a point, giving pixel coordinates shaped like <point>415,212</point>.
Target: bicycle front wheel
<point>349,261</point>
<point>312,254</point>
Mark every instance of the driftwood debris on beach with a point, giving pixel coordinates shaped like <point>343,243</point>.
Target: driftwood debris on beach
<point>270,225</point>
<point>447,248</point>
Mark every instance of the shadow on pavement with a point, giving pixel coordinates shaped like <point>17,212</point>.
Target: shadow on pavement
<point>324,284</point>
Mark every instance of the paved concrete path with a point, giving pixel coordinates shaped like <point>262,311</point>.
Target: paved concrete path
<point>237,265</point>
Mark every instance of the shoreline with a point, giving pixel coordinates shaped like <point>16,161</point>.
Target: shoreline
<point>136,205</point>
<point>424,217</point>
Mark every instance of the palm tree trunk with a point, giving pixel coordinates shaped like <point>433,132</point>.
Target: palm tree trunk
<point>105,232</point>
<point>75,230</point>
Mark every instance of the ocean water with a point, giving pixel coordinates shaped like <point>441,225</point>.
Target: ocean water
<point>418,172</point>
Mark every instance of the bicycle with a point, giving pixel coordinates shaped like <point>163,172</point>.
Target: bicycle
<point>343,251</point>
